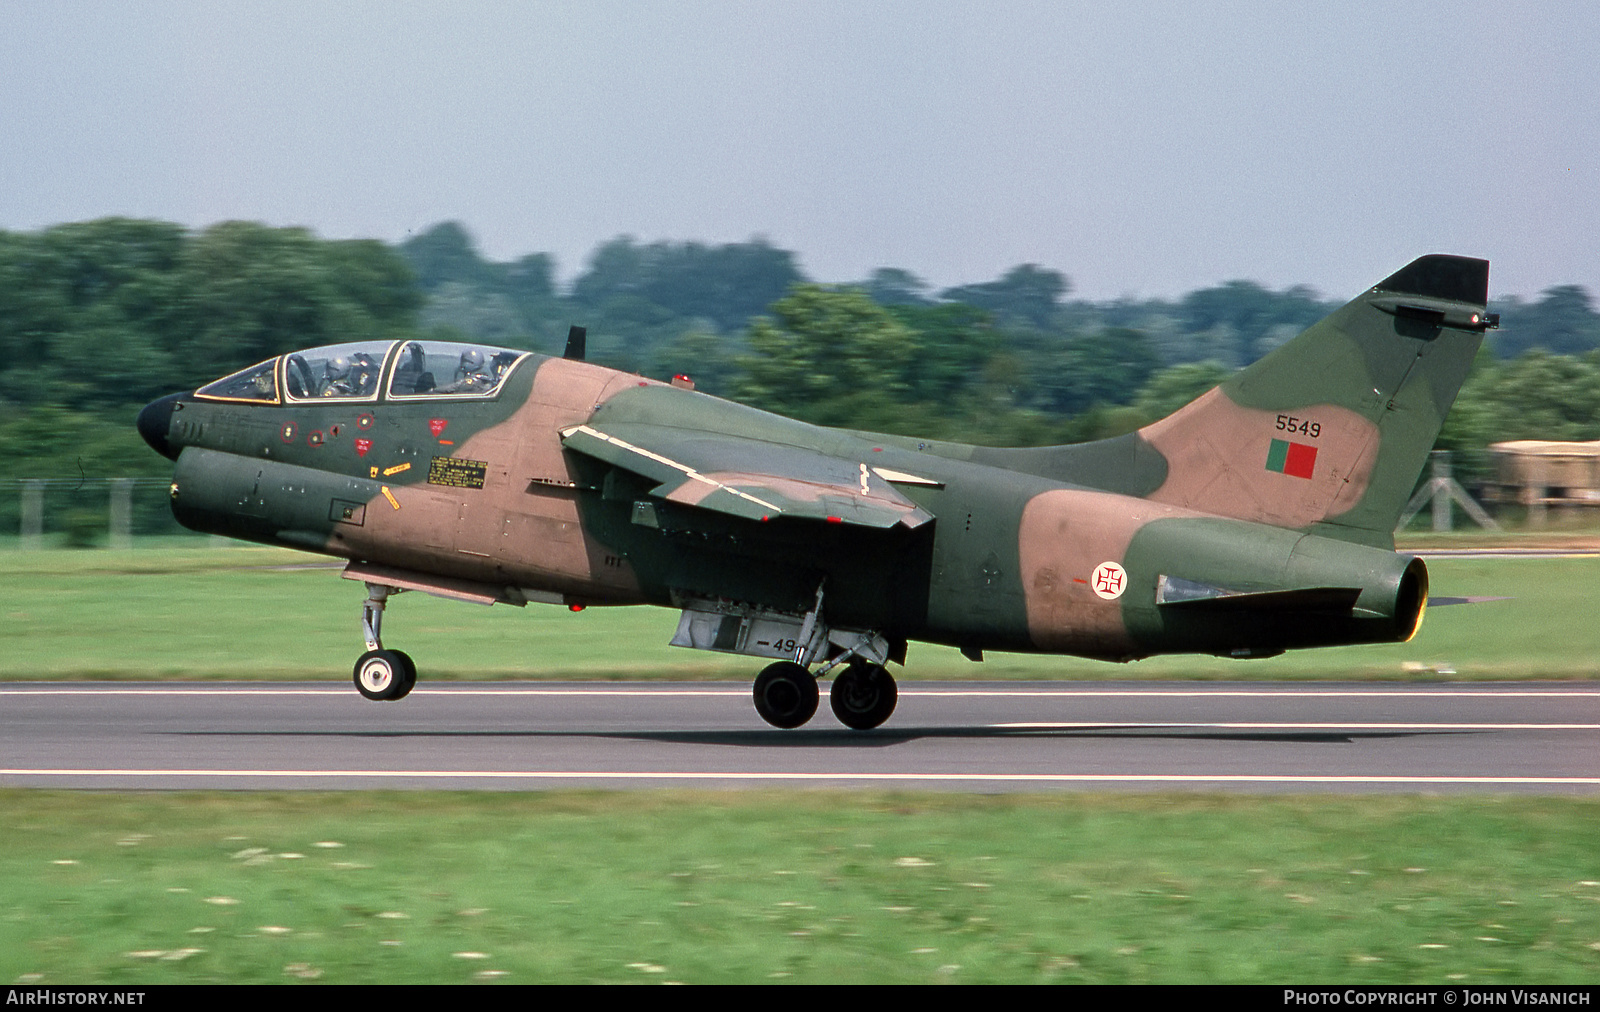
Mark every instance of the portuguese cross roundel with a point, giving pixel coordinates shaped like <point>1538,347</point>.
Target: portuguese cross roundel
<point>1109,580</point>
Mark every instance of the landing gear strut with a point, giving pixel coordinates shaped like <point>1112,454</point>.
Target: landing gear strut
<point>381,674</point>
<point>863,694</point>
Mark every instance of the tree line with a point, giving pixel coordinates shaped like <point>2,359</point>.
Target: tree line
<point>98,318</point>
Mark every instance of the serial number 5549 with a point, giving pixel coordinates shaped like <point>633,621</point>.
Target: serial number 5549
<point>1304,426</point>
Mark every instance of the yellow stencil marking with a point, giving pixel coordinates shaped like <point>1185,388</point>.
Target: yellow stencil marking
<point>397,469</point>
<point>390,496</point>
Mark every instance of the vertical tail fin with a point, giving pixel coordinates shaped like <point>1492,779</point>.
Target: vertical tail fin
<point>1330,431</point>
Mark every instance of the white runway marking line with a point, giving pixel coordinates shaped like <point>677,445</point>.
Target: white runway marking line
<point>435,693</point>
<point>1043,778</point>
<point>445,691</point>
<point>1041,725</point>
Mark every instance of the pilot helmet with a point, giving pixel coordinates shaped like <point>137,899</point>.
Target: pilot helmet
<point>337,368</point>
<point>471,361</point>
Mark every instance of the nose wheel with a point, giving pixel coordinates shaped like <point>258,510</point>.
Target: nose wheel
<point>381,674</point>
<point>385,674</point>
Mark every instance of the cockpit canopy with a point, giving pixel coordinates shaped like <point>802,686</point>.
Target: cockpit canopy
<point>402,370</point>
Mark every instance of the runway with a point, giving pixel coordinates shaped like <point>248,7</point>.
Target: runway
<point>1525,738</point>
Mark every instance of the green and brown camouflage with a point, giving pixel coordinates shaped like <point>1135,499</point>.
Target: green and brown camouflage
<point>1256,519</point>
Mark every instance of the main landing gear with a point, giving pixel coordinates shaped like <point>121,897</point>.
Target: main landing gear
<point>863,694</point>
<point>382,674</point>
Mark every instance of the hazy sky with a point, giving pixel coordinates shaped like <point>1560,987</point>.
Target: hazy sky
<point>1141,148</point>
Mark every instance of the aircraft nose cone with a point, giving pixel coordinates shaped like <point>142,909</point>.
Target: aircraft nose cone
<point>155,421</point>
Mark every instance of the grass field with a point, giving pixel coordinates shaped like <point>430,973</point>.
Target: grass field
<point>802,887</point>
<point>246,612</point>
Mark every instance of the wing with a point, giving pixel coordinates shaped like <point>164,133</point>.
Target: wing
<point>750,478</point>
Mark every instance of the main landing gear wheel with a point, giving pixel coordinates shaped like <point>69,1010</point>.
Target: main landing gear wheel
<point>786,694</point>
<point>863,695</point>
<point>385,674</point>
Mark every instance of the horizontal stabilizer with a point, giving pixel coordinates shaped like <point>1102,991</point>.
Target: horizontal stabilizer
<point>749,478</point>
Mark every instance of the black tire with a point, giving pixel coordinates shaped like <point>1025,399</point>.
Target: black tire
<point>786,694</point>
<point>411,675</point>
<point>380,674</point>
<point>863,696</point>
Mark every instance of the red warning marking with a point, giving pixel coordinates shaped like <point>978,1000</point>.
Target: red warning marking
<point>436,426</point>
<point>362,446</point>
<point>289,432</point>
<point>364,421</point>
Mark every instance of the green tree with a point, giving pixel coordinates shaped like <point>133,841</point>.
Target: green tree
<point>253,292</point>
<point>1562,321</point>
<point>1173,387</point>
<point>891,286</point>
<point>826,355</point>
<point>724,285</point>
<point>514,304</point>
<point>444,253</point>
<point>950,345</point>
<point>1537,396</point>
<point>1072,373</point>
<point>1027,295</point>
<point>709,359</point>
<point>88,311</point>
<point>1239,321</point>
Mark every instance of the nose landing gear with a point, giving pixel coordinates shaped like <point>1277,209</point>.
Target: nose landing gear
<point>381,674</point>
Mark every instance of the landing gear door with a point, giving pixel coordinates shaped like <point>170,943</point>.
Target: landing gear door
<point>738,630</point>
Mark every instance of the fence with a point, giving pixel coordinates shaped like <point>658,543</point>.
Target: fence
<point>81,510</point>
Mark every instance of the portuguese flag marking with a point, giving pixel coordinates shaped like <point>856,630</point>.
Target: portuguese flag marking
<point>1295,459</point>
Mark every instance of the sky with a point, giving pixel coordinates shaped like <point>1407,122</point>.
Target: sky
<point>1143,149</point>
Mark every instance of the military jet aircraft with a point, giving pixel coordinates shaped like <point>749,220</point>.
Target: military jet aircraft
<point>1255,520</point>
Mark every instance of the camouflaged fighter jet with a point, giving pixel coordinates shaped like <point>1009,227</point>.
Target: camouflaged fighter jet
<point>1257,519</point>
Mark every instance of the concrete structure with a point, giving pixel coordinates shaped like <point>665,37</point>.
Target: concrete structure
<point>1542,474</point>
